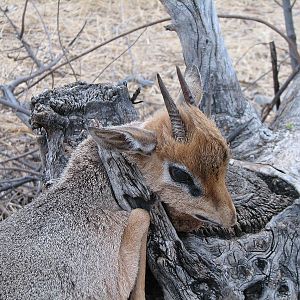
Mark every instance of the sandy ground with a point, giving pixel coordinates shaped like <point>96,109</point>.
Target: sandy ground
<point>154,50</point>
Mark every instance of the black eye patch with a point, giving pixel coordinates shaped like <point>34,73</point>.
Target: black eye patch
<point>180,176</point>
<point>196,191</point>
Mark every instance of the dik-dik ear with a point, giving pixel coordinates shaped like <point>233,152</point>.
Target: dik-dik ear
<point>125,139</point>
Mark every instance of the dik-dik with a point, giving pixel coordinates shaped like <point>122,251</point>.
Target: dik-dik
<point>74,241</point>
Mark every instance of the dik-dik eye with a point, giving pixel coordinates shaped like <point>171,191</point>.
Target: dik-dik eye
<point>180,176</point>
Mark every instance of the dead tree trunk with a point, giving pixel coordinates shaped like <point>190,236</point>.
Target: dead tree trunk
<point>258,258</point>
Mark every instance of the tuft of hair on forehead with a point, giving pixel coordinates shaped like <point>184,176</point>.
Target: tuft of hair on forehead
<point>204,153</point>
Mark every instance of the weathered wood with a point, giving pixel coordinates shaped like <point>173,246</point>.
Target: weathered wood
<point>217,263</point>
<point>63,115</point>
<point>252,260</point>
<point>197,26</point>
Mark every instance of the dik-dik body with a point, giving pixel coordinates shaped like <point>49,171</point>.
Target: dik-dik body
<point>74,241</point>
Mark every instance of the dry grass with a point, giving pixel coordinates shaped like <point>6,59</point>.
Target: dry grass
<point>156,50</point>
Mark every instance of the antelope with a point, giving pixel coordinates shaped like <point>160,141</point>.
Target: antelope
<point>74,241</point>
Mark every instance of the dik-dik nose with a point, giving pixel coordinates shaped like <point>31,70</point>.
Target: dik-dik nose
<point>231,218</point>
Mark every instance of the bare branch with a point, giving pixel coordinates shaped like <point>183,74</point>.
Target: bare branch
<point>45,29</point>
<point>269,107</point>
<point>13,84</point>
<point>293,3</point>
<point>278,3</point>
<point>289,41</point>
<point>21,39</point>
<point>263,75</point>
<point>14,183</point>
<point>23,20</point>
<point>244,54</point>
<point>60,41</point>
<point>18,108</point>
<point>99,46</point>
<point>78,34</point>
<point>19,156</point>
<point>8,94</point>
<point>129,47</point>
<point>22,170</point>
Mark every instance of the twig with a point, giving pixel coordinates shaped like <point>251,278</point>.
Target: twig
<point>23,20</point>
<point>154,23</point>
<point>274,70</point>
<point>270,106</point>
<point>21,170</point>
<point>243,55</point>
<point>17,182</point>
<point>20,163</point>
<point>21,39</point>
<point>13,84</point>
<point>263,75</point>
<point>278,3</point>
<point>135,95</point>
<point>19,156</point>
<point>45,29</point>
<point>99,46</point>
<point>289,41</point>
<point>78,34</point>
<point>129,47</point>
<point>19,80</point>
<point>60,41</point>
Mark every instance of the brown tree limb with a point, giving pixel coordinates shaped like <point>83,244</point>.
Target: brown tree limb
<point>275,71</point>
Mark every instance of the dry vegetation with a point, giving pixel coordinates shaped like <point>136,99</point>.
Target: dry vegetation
<point>156,50</point>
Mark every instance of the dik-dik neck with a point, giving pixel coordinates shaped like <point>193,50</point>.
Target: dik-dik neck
<point>85,178</point>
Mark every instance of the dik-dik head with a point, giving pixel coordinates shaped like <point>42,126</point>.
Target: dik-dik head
<point>183,158</point>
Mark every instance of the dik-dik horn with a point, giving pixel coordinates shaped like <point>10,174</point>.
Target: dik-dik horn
<point>183,157</point>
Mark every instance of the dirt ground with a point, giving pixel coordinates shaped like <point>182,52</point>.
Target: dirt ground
<point>154,50</point>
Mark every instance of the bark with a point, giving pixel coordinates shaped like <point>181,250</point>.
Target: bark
<point>290,30</point>
<point>62,115</point>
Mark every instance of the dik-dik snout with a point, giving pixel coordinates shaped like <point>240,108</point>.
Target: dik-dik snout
<point>183,158</point>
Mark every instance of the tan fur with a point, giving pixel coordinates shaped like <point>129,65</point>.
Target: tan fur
<point>205,154</point>
<point>73,242</point>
